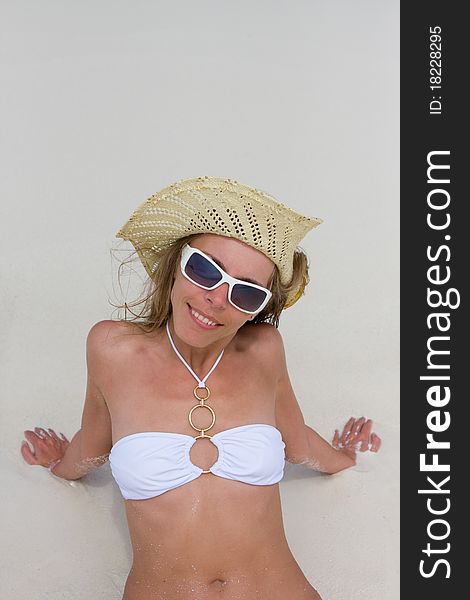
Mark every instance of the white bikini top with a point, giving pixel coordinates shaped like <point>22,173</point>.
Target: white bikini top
<point>151,463</point>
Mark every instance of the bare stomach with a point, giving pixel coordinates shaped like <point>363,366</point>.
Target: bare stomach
<point>211,538</point>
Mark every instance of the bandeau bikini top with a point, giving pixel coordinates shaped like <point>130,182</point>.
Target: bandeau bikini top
<point>151,463</point>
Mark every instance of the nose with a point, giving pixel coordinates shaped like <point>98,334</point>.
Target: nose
<point>218,296</point>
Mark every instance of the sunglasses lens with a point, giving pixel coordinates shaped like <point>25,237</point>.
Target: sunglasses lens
<point>205,274</point>
<point>201,271</point>
<point>247,297</point>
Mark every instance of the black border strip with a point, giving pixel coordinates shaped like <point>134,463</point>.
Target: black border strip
<point>433,270</point>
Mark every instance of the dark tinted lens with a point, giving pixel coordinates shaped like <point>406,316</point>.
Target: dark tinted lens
<point>202,271</point>
<point>247,297</point>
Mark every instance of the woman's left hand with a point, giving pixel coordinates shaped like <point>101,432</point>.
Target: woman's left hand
<point>357,435</point>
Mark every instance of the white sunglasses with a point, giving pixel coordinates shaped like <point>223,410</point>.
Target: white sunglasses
<point>201,270</point>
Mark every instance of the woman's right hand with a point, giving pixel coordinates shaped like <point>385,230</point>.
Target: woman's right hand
<point>48,447</point>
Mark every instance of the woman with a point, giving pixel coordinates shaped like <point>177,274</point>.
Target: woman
<point>198,464</point>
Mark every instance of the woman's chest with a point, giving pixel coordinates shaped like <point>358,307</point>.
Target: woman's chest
<point>151,394</point>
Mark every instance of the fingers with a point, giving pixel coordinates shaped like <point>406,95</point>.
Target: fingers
<point>373,445</point>
<point>358,434</point>
<point>367,428</point>
<point>32,437</point>
<point>364,435</point>
<point>357,427</point>
<point>335,442</point>
<point>351,431</point>
<point>376,442</point>
<point>42,445</point>
<point>28,454</point>
<point>29,451</point>
<point>347,429</point>
<point>40,432</point>
<point>53,435</point>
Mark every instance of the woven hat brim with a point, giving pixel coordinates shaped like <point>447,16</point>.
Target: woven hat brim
<point>223,207</point>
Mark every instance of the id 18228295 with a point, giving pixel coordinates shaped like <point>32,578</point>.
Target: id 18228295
<point>435,69</point>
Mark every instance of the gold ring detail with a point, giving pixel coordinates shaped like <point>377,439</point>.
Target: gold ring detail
<point>204,436</point>
<point>198,397</point>
<point>191,421</point>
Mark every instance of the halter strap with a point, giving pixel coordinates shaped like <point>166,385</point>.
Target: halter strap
<point>201,382</point>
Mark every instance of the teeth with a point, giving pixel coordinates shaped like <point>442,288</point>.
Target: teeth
<point>201,318</point>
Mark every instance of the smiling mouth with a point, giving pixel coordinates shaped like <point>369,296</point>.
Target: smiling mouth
<point>203,319</point>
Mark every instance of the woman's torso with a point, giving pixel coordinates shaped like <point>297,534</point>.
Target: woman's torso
<point>211,535</point>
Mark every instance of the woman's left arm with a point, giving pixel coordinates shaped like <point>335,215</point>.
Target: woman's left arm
<point>357,435</point>
<point>303,444</point>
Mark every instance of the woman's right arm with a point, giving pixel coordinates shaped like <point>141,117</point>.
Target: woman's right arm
<point>65,467</point>
<point>91,445</point>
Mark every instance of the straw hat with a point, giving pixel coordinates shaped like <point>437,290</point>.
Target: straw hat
<point>219,206</point>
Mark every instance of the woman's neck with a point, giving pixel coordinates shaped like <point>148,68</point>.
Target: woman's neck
<point>200,359</point>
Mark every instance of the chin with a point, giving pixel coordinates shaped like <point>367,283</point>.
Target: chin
<point>187,331</point>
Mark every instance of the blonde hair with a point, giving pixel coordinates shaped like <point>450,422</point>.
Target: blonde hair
<point>156,298</point>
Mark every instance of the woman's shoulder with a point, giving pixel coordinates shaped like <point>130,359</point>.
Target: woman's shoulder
<point>108,329</point>
<point>266,345</point>
<point>261,337</point>
<point>261,331</point>
<point>107,335</point>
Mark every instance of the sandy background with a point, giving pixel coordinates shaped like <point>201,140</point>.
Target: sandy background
<point>103,104</point>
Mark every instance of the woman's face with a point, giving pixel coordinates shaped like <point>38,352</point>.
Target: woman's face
<point>238,260</point>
